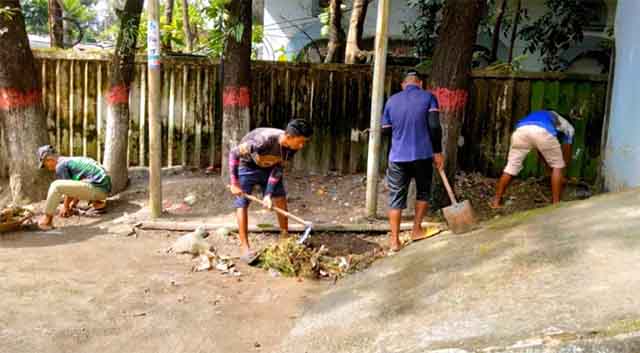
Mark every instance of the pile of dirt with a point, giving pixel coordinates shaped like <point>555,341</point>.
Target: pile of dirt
<point>320,258</point>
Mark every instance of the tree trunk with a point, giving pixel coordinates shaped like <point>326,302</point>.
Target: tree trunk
<point>236,100</point>
<point>354,52</point>
<point>496,31</point>
<point>122,73</point>
<point>56,30</point>
<point>514,31</point>
<point>168,16</point>
<point>188,35</point>
<point>22,117</point>
<point>336,47</point>
<point>449,79</point>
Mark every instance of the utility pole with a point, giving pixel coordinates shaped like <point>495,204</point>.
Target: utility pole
<point>155,149</point>
<point>373,157</point>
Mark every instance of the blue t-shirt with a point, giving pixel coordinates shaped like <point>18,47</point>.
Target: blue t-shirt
<point>407,113</point>
<point>549,121</point>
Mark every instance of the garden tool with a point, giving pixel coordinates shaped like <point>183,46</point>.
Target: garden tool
<point>459,215</point>
<point>308,225</point>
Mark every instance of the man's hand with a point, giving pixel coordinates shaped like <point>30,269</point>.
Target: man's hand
<point>268,203</point>
<point>235,190</point>
<point>438,161</point>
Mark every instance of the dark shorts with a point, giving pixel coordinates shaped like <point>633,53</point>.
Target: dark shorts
<point>249,178</point>
<point>399,175</point>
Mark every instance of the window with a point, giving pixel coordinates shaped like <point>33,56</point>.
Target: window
<point>317,6</point>
<point>597,13</point>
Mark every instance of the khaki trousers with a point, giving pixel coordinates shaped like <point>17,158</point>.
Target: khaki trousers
<point>71,188</point>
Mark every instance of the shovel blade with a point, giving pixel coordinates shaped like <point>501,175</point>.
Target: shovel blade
<point>460,217</point>
<point>305,235</point>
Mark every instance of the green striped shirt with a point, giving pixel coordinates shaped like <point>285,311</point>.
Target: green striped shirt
<point>83,169</point>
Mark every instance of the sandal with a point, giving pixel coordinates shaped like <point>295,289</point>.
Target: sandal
<point>250,257</point>
<point>428,233</point>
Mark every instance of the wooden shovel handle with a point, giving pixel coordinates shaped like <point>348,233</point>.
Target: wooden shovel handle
<point>277,209</point>
<point>445,180</point>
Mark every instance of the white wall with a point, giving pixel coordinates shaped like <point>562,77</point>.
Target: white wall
<point>280,34</point>
<point>622,156</point>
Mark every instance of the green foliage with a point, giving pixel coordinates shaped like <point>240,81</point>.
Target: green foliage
<point>424,30</point>
<point>36,14</point>
<point>560,28</point>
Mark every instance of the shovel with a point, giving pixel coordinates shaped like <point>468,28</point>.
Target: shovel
<point>308,225</point>
<point>459,216</point>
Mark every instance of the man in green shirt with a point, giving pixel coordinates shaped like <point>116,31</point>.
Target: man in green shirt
<point>78,178</point>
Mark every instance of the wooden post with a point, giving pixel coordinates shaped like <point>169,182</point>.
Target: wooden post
<point>172,116</point>
<point>142,149</point>
<point>155,151</point>
<point>99,112</point>
<point>85,109</point>
<point>71,113</point>
<point>373,159</point>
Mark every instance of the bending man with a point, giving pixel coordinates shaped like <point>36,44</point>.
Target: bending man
<point>540,130</point>
<point>259,160</point>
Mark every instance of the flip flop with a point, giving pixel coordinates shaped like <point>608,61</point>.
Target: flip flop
<point>428,233</point>
<point>250,257</point>
<point>491,206</point>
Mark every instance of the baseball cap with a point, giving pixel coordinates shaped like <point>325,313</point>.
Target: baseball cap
<point>44,152</point>
<point>412,73</point>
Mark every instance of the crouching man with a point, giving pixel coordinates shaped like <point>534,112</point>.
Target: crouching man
<point>259,160</point>
<point>78,178</point>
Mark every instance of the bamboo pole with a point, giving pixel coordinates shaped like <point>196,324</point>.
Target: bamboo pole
<point>141,138</point>
<point>294,228</point>
<point>183,126</point>
<point>172,116</point>
<point>373,159</point>
<point>155,151</point>
<point>198,119</point>
<point>58,112</point>
<point>85,109</point>
<point>99,112</point>
<point>71,101</point>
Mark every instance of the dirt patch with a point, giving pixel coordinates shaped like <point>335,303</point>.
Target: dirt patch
<point>522,195</point>
<point>88,286</point>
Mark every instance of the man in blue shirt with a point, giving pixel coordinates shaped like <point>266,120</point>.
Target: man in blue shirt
<point>540,130</point>
<point>412,116</point>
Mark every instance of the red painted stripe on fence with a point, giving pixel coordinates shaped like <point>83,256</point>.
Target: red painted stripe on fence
<point>236,97</point>
<point>11,98</point>
<point>118,95</point>
<point>451,100</point>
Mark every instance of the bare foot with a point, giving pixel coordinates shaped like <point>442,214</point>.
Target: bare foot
<point>394,244</point>
<point>495,204</point>
<point>421,233</point>
<point>44,226</point>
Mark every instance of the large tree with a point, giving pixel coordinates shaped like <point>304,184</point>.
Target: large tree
<point>122,73</point>
<point>168,19</point>
<point>449,79</point>
<point>354,52</point>
<point>56,30</point>
<point>236,100</point>
<point>188,33</point>
<point>336,47</point>
<point>22,116</point>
